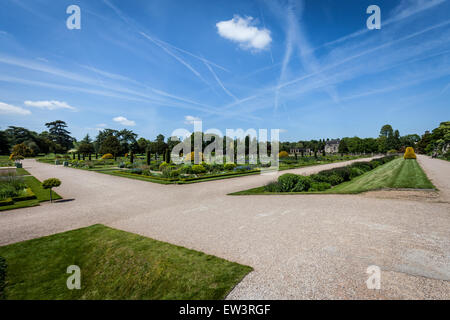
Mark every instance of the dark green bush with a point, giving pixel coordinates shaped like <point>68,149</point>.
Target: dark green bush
<point>375,163</point>
<point>354,172</point>
<point>187,169</point>
<point>198,168</point>
<point>364,166</point>
<point>319,186</point>
<point>287,181</point>
<point>303,184</point>
<point>229,166</point>
<point>334,180</point>
<point>136,170</point>
<point>271,187</point>
<point>3,267</point>
<point>343,172</point>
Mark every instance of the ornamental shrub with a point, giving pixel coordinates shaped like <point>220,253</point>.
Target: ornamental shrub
<point>283,154</point>
<point>375,163</point>
<point>136,170</point>
<point>409,153</point>
<point>364,166</point>
<point>229,166</point>
<point>287,181</point>
<point>303,184</point>
<point>107,156</point>
<point>334,180</point>
<point>163,166</point>
<point>174,173</point>
<point>198,168</point>
<point>191,156</point>
<point>354,172</point>
<point>51,183</point>
<point>272,187</point>
<point>319,186</point>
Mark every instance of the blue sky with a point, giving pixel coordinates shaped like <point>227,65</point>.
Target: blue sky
<point>310,68</point>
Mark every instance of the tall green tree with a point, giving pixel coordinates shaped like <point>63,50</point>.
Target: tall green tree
<point>59,134</point>
<point>86,146</point>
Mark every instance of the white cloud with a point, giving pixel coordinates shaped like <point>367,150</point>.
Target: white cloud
<point>124,121</point>
<point>191,119</point>
<point>243,31</point>
<point>50,105</point>
<point>10,109</point>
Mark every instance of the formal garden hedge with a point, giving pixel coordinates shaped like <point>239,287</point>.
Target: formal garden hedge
<point>325,179</point>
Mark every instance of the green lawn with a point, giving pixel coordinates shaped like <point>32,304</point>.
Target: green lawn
<point>396,174</point>
<point>115,265</point>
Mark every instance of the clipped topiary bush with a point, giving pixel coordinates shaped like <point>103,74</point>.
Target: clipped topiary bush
<point>107,156</point>
<point>51,183</point>
<point>283,154</point>
<point>409,153</point>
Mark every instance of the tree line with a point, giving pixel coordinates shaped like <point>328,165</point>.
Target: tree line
<point>57,139</point>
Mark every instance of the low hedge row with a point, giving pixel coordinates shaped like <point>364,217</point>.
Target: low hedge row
<point>29,196</point>
<point>6,202</point>
<point>325,179</point>
<point>175,179</point>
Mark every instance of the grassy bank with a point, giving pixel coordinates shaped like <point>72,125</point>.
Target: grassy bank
<point>115,265</point>
<point>397,174</point>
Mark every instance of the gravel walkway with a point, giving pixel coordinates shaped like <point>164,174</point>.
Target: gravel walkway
<point>301,246</point>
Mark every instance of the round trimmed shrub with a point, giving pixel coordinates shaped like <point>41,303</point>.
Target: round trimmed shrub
<point>409,153</point>
<point>107,156</point>
<point>283,154</point>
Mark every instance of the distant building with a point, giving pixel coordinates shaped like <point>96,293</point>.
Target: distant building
<point>305,151</point>
<point>332,146</point>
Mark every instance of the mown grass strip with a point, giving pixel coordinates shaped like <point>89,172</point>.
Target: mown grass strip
<point>115,264</point>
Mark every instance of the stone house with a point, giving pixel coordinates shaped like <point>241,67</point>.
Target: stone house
<point>332,146</point>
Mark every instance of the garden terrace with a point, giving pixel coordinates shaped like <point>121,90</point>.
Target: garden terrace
<point>380,173</point>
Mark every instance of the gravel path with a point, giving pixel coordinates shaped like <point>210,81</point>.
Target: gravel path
<point>301,246</point>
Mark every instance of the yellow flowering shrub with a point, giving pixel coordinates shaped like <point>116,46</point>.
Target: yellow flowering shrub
<point>409,153</point>
<point>283,154</point>
<point>191,156</point>
<point>107,156</point>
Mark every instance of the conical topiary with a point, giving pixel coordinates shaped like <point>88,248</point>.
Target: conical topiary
<point>409,153</point>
